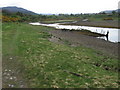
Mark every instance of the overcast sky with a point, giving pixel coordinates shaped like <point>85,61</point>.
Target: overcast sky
<point>63,6</point>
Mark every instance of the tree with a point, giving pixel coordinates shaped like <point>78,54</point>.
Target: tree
<point>113,12</point>
<point>20,14</point>
<point>102,13</point>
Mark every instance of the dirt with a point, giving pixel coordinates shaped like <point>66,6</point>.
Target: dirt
<point>56,40</point>
<point>78,39</point>
<point>12,74</point>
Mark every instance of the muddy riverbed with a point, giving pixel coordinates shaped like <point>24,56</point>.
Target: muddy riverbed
<point>77,39</point>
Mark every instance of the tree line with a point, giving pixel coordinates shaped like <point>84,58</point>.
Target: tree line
<point>21,17</point>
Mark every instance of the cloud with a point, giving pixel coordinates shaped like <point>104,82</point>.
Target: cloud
<point>63,6</point>
<point>9,3</point>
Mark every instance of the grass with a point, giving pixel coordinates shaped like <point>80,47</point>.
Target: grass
<point>49,65</point>
<point>57,21</point>
<point>100,17</point>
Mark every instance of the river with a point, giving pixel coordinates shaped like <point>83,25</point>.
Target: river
<point>112,36</point>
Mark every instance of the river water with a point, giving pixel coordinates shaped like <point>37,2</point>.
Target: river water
<point>112,36</point>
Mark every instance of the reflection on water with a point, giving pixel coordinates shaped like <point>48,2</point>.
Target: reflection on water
<point>112,36</point>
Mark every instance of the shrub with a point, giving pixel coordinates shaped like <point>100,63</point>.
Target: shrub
<point>9,19</point>
<point>108,19</point>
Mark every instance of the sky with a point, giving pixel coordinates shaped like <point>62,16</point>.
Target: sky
<point>63,6</point>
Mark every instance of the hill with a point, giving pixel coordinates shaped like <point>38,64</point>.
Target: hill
<point>118,10</point>
<point>110,11</point>
<point>17,9</point>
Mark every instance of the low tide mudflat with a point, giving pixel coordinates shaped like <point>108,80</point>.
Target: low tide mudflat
<point>31,60</point>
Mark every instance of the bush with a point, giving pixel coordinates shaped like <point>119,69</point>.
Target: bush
<point>108,19</point>
<point>9,19</point>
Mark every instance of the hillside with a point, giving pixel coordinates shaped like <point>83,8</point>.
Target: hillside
<point>17,9</point>
<point>110,11</point>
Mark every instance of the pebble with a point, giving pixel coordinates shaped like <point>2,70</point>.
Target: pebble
<point>10,85</point>
<point>11,78</point>
<point>12,72</point>
<point>8,74</point>
<point>22,41</point>
<point>11,58</point>
<point>14,77</point>
<point>6,70</point>
<point>9,70</point>
<point>21,86</point>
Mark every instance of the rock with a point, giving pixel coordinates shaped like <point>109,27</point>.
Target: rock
<point>9,70</point>
<point>10,85</point>
<point>11,78</point>
<point>6,70</point>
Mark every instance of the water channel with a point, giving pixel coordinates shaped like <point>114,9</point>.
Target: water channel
<point>112,36</point>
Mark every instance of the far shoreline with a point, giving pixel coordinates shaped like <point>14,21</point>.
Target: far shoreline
<point>104,24</point>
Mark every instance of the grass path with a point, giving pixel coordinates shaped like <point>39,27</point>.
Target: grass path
<point>44,64</point>
<point>12,76</point>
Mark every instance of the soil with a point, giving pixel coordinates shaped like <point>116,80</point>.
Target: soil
<point>12,73</point>
<point>78,39</point>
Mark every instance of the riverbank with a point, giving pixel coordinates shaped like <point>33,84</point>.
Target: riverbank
<point>111,34</point>
<point>105,24</point>
<point>78,39</point>
<point>38,57</point>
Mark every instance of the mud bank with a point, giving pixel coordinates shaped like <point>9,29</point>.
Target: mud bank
<point>106,24</point>
<point>78,39</point>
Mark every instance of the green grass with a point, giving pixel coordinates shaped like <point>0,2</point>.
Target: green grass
<point>100,17</point>
<point>48,65</point>
<point>57,21</point>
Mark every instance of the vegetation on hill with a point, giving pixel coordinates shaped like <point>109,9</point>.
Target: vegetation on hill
<point>9,19</point>
<point>14,9</point>
<point>23,17</point>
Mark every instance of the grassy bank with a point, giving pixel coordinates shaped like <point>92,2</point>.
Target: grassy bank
<point>57,21</point>
<point>44,64</point>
